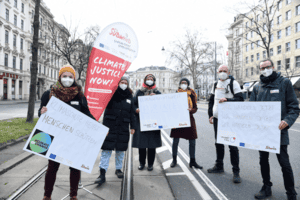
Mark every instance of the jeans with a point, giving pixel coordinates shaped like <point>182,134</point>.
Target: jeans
<point>192,147</point>
<point>105,156</point>
<point>283,159</point>
<point>234,152</point>
<point>151,156</point>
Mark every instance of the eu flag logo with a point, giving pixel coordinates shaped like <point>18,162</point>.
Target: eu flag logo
<point>101,45</point>
<point>242,144</point>
<point>160,126</point>
<point>52,156</point>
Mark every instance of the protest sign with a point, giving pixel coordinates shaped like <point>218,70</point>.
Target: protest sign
<point>252,125</point>
<point>164,111</point>
<point>67,136</point>
<point>113,52</point>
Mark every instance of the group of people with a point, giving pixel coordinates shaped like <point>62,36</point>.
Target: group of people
<point>121,116</point>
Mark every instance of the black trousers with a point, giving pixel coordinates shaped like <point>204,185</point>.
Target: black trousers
<point>143,153</point>
<point>234,152</point>
<point>283,159</point>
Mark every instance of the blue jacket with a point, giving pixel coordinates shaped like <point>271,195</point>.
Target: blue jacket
<point>289,103</point>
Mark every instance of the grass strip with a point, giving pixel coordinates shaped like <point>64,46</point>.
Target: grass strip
<point>12,129</point>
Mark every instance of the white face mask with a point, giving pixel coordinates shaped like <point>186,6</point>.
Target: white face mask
<point>123,86</point>
<point>266,72</point>
<point>149,82</point>
<point>223,75</point>
<point>183,86</point>
<point>67,81</point>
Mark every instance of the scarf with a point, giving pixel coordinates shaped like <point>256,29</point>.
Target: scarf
<point>189,93</point>
<point>148,90</point>
<point>65,94</point>
<point>268,79</point>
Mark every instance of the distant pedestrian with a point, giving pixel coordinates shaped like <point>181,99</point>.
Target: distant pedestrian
<point>118,115</point>
<point>225,89</point>
<point>67,90</point>
<point>146,140</point>
<point>189,133</point>
<point>274,87</point>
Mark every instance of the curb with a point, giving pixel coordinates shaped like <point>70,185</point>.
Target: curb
<point>20,139</point>
<point>14,162</point>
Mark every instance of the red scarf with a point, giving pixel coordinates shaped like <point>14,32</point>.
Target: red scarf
<point>149,88</point>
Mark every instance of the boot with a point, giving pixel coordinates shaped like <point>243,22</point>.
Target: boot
<point>142,166</point>
<point>292,197</point>
<point>216,169</point>
<point>73,198</point>
<point>119,173</point>
<point>236,177</point>
<point>194,164</point>
<point>46,198</point>
<point>174,162</point>
<point>264,192</point>
<point>101,179</point>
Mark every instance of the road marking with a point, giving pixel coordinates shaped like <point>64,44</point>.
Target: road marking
<point>167,163</point>
<point>294,130</point>
<point>198,187</point>
<point>161,149</point>
<point>175,174</point>
<point>213,188</point>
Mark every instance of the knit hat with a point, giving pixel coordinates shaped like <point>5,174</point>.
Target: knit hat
<point>149,75</point>
<point>67,68</point>
<point>125,78</point>
<point>222,67</point>
<point>184,79</point>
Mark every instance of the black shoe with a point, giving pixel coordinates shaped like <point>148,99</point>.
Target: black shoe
<point>264,192</point>
<point>216,169</point>
<point>174,162</point>
<point>292,197</point>
<point>142,166</point>
<point>150,167</point>
<point>101,179</point>
<point>194,164</point>
<point>119,173</point>
<point>236,178</point>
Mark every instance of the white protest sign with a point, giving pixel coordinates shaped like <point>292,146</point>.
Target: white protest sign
<point>164,111</point>
<point>67,136</point>
<point>252,125</point>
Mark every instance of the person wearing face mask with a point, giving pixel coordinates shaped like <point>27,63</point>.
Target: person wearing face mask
<point>67,90</point>
<point>226,89</point>
<point>118,115</point>
<point>146,141</point>
<point>273,87</point>
<point>189,133</point>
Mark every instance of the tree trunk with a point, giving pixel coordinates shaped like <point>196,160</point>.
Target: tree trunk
<point>33,67</point>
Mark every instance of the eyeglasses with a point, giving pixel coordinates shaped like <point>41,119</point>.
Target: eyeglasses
<point>223,71</point>
<point>263,68</point>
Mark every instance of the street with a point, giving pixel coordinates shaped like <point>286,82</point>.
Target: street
<point>16,110</point>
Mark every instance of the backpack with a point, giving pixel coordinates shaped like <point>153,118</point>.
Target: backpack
<point>230,85</point>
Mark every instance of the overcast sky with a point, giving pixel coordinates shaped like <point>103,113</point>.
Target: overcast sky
<point>155,22</point>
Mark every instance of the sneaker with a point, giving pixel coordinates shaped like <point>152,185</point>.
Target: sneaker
<point>216,169</point>
<point>119,173</point>
<point>264,192</point>
<point>236,178</point>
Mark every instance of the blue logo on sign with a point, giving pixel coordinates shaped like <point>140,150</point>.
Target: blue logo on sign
<point>52,156</point>
<point>101,45</point>
<point>160,126</point>
<point>242,144</point>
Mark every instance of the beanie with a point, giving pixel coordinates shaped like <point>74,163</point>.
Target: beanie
<point>67,68</point>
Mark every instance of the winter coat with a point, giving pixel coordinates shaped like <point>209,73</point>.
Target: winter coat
<point>188,133</point>
<point>287,97</point>
<point>145,139</point>
<point>78,102</point>
<point>118,114</point>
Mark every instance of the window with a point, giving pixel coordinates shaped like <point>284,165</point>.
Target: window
<point>246,72</point>
<point>271,52</point>
<point>6,60</point>
<point>252,45</point>
<point>287,47</point>
<point>41,22</point>
<point>246,59</point>
<point>252,58</point>
<point>51,72</point>
<point>258,43</point>
<point>297,61</point>
<point>288,15</point>
<point>44,69</point>
<point>15,41</point>
<point>272,38</point>
<point>252,33</point>
<point>288,31</point>
<point>264,54</point>
<point>14,62</point>
<point>21,43</point>
<point>252,69</point>
<point>257,69</point>
<point>287,2</point>
<point>15,20</point>
<point>279,5</point>
<point>298,10</point>
<point>7,14</point>
<point>279,49</point>
<point>257,56</point>
<point>257,18</point>
<point>22,7</point>
<point>21,64</point>
<point>278,34</point>
<point>40,69</point>
<point>22,24</point>
<point>41,34</point>
<point>279,19</point>
<point>297,44</point>
<point>16,3</point>
<point>246,24</point>
<point>6,37</point>
<point>32,14</point>
<point>297,27</point>
<point>279,65</point>
<point>287,63</point>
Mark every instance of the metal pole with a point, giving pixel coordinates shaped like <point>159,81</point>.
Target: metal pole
<point>215,61</point>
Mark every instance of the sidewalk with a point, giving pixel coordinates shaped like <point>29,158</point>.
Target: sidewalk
<point>12,102</point>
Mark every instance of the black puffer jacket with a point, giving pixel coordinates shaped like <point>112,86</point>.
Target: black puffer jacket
<point>118,114</point>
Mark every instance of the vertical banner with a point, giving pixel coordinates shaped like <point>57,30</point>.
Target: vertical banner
<point>113,52</point>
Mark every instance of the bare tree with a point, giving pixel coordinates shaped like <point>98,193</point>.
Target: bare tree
<point>33,67</point>
<point>191,53</point>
